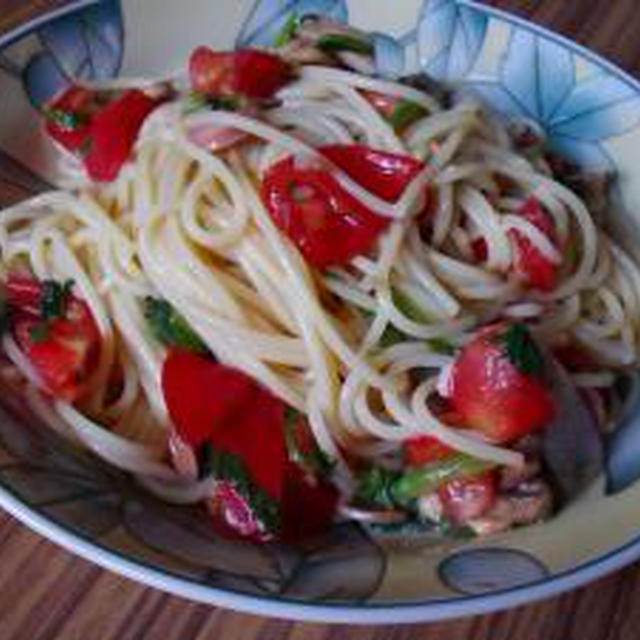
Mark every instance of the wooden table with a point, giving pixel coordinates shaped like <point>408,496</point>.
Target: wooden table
<point>47,594</point>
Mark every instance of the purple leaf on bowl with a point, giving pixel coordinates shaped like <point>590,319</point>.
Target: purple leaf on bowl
<point>572,447</point>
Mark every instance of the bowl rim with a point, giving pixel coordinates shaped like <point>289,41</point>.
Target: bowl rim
<point>364,612</point>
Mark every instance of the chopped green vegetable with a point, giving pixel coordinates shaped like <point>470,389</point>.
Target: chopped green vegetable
<point>301,446</point>
<point>409,307</point>
<point>205,458</point>
<point>375,487</point>
<point>39,332</point>
<point>383,488</point>
<point>420,480</point>
<point>197,101</point>
<point>337,42</point>
<point>522,350</point>
<point>405,113</point>
<point>441,346</point>
<point>169,327</point>
<point>54,298</point>
<point>68,120</point>
<point>229,467</point>
<point>288,31</point>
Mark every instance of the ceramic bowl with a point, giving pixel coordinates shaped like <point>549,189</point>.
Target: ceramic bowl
<point>590,111</point>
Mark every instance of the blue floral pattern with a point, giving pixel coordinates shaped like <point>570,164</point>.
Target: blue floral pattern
<point>579,105</point>
<point>85,45</point>
<point>484,570</point>
<point>268,17</point>
<point>450,36</point>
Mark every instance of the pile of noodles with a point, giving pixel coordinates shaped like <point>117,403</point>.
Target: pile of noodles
<point>187,225</point>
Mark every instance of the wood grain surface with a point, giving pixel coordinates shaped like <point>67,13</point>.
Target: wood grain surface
<point>48,594</point>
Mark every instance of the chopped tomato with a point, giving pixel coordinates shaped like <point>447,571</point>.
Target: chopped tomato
<point>68,117</point>
<point>101,126</point>
<point>63,349</point>
<point>308,505</point>
<point>573,356</point>
<point>384,103</point>
<point>497,384</point>
<point>215,405</point>
<point>384,174</point>
<point>533,266</point>
<point>202,395</point>
<point>425,449</point>
<point>232,515</point>
<point>24,293</point>
<point>247,72</point>
<point>466,498</point>
<point>114,132</point>
<point>327,224</point>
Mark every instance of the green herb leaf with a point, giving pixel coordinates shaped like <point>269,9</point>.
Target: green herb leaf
<point>169,327</point>
<point>522,350</point>
<point>441,346</point>
<point>409,307</point>
<point>39,332</point>
<point>288,31</point>
<point>375,487</point>
<point>68,120</point>
<point>54,298</point>
<point>337,42</point>
<point>427,478</point>
<point>387,489</point>
<point>405,113</point>
<point>197,101</point>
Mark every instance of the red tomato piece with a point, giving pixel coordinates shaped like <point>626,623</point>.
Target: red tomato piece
<point>114,131</point>
<point>425,449</point>
<point>201,394</point>
<point>533,266</point>
<point>68,117</point>
<point>24,294</point>
<point>384,103</point>
<point>308,505</point>
<point>327,224</point>
<point>233,517</point>
<point>63,350</point>
<point>384,174</point>
<point>248,72</point>
<point>464,499</point>
<point>492,391</point>
<point>210,402</point>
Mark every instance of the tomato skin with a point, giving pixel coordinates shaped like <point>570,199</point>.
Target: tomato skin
<point>23,294</point>
<point>492,395</point>
<point>248,72</point>
<point>534,267</point>
<point>190,382</point>
<point>327,224</point>
<point>107,129</point>
<point>114,131</point>
<point>383,173</point>
<point>67,352</point>
<point>425,449</point>
<point>464,499</point>
<point>209,402</point>
<point>74,101</point>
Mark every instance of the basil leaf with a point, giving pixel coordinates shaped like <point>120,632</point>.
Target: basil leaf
<point>288,31</point>
<point>405,113</point>
<point>337,42</point>
<point>169,327</point>
<point>54,298</point>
